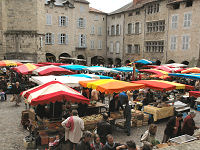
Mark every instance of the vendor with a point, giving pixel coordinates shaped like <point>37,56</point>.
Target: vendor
<point>115,104</point>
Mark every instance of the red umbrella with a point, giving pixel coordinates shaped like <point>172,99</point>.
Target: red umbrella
<point>51,70</point>
<point>52,92</point>
<point>25,69</point>
<point>50,63</point>
<point>194,93</point>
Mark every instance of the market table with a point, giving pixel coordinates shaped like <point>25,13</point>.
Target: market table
<point>159,113</point>
<point>98,105</point>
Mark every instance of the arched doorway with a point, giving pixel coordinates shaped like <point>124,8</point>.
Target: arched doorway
<point>80,57</point>
<point>97,60</point>
<point>64,58</point>
<point>50,57</point>
<point>170,62</point>
<point>110,61</point>
<point>127,62</point>
<point>185,63</point>
<point>158,62</point>
<point>118,62</point>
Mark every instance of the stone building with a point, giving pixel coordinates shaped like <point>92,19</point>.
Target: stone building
<point>51,30</point>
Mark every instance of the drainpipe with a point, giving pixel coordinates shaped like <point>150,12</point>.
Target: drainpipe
<point>124,47</point>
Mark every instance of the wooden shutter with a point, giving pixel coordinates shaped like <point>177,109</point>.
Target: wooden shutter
<point>140,27</point>
<point>59,21</point>
<point>133,28</point>
<point>59,38</point>
<point>66,39</point>
<point>66,21</point>
<point>52,37</point>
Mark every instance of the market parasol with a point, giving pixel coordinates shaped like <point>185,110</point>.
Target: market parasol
<point>110,86</point>
<point>191,70</point>
<point>74,67</point>
<point>5,63</point>
<point>125,69</point>
<point>154,71</point>
<point>144,62</point>
<point>162,85</point>
<point>175,65</point>
<point>100,69</point>
<point>91,76</point>
<point>68,80</point>
<point>51,92</point>
<point>25,69</point>
<point>189,76</point>
<point>51,70</point>
<point>194,93</point>
<point>51,63</point>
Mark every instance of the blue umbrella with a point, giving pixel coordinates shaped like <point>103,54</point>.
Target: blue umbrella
<point>189,76</point>
<point>125,69</point>
<point>91,76</point>
<point>145,62</point>
<point>74,67</point>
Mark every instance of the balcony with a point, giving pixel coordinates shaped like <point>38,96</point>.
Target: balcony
<point>81,47</point>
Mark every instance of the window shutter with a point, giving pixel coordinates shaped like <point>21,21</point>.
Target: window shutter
<point>115,30</point>
<point>84,40</point>
<point>140,27</point>
<point>126,29</point>
<point>59,21</point>
<point>52,36</point>
<point>84,23</point>
<point>119,29</point>
<point>133,28</point>
<point>46,39</point>
<point>127,49</point>
<point>59,38</point>
<point>66,21</point>
<point>79,44</point>
<point>109,28</point>
<point>66,39</point>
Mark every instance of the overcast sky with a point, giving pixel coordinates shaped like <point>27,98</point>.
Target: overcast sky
<point>108,5</point>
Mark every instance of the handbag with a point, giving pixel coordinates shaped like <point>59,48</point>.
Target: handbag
<point>12,99</point>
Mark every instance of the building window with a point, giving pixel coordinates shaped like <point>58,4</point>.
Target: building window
<point>129,48</point>
<point>111,47</point>
<point>137,28</point>
<point>92,30</point>
<point>92,44</point>
<point>173,43</point>
<point>118,29</point>
<point>130,14</point>
<point>176,6</point>
<point>81,23</point>
<point>137,12</point>
<point>117,47</point>
<point>153,8</point>
<point>185,42</point>
<point>187,19</point>
<point>96,18</point>
<point>48,19</point>
<point>118,16</point>
<point>189,3</point>
<point>63,21</point>
<point>99,31</point>
<point>129,28</point>
<point>136,48</point>
<point>100,44</point>
<point>62,39</point>
<point>108,31</point>
<point>174,21</point>
<point>82,40</point>
<point>156,26</point>
<point>112,30</point>
<point>113,17</point>
<point>49,38</point>
<point>154,46</point>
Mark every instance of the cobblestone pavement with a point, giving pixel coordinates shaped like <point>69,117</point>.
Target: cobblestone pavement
<point>12,133</point>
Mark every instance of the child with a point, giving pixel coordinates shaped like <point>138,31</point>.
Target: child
<point>57,140</point>
<point>2,95</point>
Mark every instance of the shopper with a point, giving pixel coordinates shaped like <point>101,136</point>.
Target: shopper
<point>74,127</point>
<point>104,128</point>
<point>189,124</point>
<point>110,144</point>
<point>127,116</point>
<point>16,90</point>
<point>85,141</point>
<point>96,144</point>
<point>173,128</point>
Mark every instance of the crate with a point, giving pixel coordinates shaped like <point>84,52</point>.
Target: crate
<point>44,140</point>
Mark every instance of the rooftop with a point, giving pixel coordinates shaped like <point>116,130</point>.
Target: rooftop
<point>96,10</point>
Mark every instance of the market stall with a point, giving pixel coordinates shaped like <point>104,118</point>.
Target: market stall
<point>74,67</point>
<point>51,70</point>
<point>6,63</point>
<point>25,69</point>
<point>100,69</point>
<point>90,76</point>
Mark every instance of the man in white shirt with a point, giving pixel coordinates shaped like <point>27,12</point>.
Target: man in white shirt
<point>74,127</point>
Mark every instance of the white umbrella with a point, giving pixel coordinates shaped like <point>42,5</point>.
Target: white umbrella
<point>101,69</point>
<point>70,81</point>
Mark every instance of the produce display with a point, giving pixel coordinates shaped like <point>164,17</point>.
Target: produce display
<point>92,119</point>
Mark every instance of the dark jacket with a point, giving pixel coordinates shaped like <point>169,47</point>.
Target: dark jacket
<point>83,146</point>
<point>188,126</point>
<point>113,147</point>
<point>103,129</point>
<point>16,90</point>
<point>170,127</point>
<point>112,106</point>
<point>127,112</point>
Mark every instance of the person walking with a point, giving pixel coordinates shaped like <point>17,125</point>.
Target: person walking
<point>173,128</point>
<point>74,127</point>
<point>104,128</point>
<point>16,90</point>
<point>127,116</point>
<point>189,124</point>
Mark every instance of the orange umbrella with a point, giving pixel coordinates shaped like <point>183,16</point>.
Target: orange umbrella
<point>110,86</point>
<point>5,63</point>
<point>191,70</point>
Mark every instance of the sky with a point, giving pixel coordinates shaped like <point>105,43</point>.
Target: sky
<point>108,5</point>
